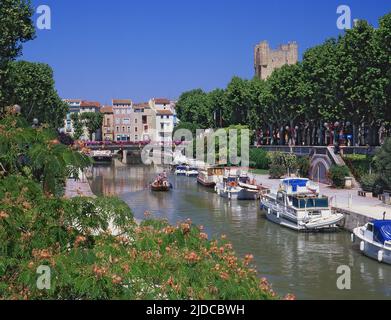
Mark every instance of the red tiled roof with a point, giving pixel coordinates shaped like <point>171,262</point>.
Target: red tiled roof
<point>127,102</point>
<point>90,104</point>
<point>72,100</point>
<point>106,109</point>
<point>142,105</point>
<point>164,113</point>
<point>161,101</point>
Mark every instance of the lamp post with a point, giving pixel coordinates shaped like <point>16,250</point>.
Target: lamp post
<point>326,125</point>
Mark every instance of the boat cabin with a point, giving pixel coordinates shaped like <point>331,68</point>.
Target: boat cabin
<point>303,202</point>
<point>379,231</point>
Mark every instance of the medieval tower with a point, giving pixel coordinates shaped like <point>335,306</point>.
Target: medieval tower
<point>267,60</point>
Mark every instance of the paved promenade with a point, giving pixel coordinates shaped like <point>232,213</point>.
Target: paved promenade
<point>78,188</point>
<point>369,207</point>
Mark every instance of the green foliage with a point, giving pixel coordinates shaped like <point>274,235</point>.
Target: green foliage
<point>283,161</point>
<point>87,261</point>
<point>92,121</point>
<point>359,165</point>
<point>32,87</point>
<point>259,159</point>
<point>368,181</point>
<point>77,125</point>
<point>337,175</point>
<point>304,165</point>
<point>276,171</point>
<point>383,162</point>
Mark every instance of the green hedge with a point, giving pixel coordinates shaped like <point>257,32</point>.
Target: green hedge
<point>259,159</point>
<point>337,175</point>
<point>359,165</point>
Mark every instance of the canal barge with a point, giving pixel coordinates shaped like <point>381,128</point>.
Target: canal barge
<point>238,187</point>
<point>299,206</point>
<point>374,239</point>
<point>191,172</point>
<point>210,176</point>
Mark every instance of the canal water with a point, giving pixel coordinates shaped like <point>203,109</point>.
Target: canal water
<point>303,264</point>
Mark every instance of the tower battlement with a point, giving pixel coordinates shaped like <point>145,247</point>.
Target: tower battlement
<point>266,60</point>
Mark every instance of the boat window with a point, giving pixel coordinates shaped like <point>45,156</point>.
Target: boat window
<point>370,227</point>
<point>280,198</point>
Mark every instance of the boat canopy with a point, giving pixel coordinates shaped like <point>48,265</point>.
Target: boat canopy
<point>181,168</point>
<point>295,183</point>
<point>382,231</point>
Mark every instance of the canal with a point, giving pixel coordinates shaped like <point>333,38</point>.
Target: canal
<point>302,264</point>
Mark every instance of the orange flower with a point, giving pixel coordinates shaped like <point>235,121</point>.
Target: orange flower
<point>41,254</point>
<point>168,249</point>
<point>224,275</point>
<point>185,228</point>
<point>192,257</point>
<point>3,215</point>
<point>116,279</point>
<point>248,259</point>
<point>203,236</point>
<point>290,297</point>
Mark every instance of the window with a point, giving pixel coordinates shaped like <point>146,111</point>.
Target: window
<point>144,119</point>
<point>117,129</point>
<point>135,129</point>
<point>135,121</point>
<point>117,121</point>
<point>126,121</point>
<point>161,117</point>
<point>136,137</point>
<point>162,126</point>
<point>123,129</point>
<point>128,129</point>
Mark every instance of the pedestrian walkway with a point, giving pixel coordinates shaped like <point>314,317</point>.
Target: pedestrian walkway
<point>342,199</point>
<point>78,188</point>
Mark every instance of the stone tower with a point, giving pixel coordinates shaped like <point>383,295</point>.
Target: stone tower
<point>267,60</point>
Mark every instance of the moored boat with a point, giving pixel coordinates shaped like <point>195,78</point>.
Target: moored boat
<point>374,239</point>
<point>210,176</point>
<point>102,156</point>
<point>191,172</point>
<point>299,206</point>
<point>181,170</point>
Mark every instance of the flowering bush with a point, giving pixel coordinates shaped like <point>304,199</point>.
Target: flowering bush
<point>96,251</point>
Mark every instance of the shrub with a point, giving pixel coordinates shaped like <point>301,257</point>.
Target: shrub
<point>259,159</point>
<point>368,182</point>
<point>286,162</point>
<point>276,171</point>
<point>337,175</point>
<point>383,162</point>
<point>359,165</point>
<point>304,165</point>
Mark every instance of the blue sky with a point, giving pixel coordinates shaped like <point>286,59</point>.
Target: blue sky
<point>101,49</point>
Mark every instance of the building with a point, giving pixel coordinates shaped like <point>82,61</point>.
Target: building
<point>267,60</point>
<point>108,123</point>
<point>122,119</point>
<point>165,119</point>
<point>143,119</point>
<point>73,108</point>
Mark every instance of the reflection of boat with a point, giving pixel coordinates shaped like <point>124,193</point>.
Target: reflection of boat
<point>375,240</point>
<point>209,177</point>
<point>191,172</point>
<point>161,184</point>
<point>298,205</point>
<point>102,156</point>
<point>180,170</point>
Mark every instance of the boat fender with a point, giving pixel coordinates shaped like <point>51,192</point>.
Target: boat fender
<point>352,237</point>
<point>362,246</point>
<point>269,211</point>
<point>229,195</point>
<point>380,255</point>
<point>278,215</point>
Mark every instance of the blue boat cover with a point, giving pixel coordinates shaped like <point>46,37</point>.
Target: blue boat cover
<point>382,231</point>
<point>295,183</point>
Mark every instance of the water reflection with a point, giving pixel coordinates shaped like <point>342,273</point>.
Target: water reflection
<point>304,264</point>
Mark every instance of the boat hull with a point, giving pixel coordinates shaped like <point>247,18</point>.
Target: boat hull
<point>160,188</point>
<point>371,249</point>
<point>206,183</point>
<point>276,216</point>
<point>241,195</point>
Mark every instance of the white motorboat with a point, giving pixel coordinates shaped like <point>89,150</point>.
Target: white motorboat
<point>299,206</point>
<point>210,176</point>
<point>191,172</point>
<point>375,240</point>
<point>234,187</point>
<point>102,156</point>
<point>180,170</point>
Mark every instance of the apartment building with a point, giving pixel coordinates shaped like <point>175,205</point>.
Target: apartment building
<point>108,123</point>
<point>122,111</point>
<point>73,108</point>
<point>165,120</point>
<point>143,119</point>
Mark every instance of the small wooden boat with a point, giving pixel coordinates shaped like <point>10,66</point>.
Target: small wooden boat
<point>161,185</point>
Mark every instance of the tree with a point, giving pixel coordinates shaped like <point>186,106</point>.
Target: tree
<point>358,74</point>
<point>16,27</point>
<point>32,87</point>
<point>237,100</point>
<point>92,121</point>
<point>78,126</point>
<point>383,161</point>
